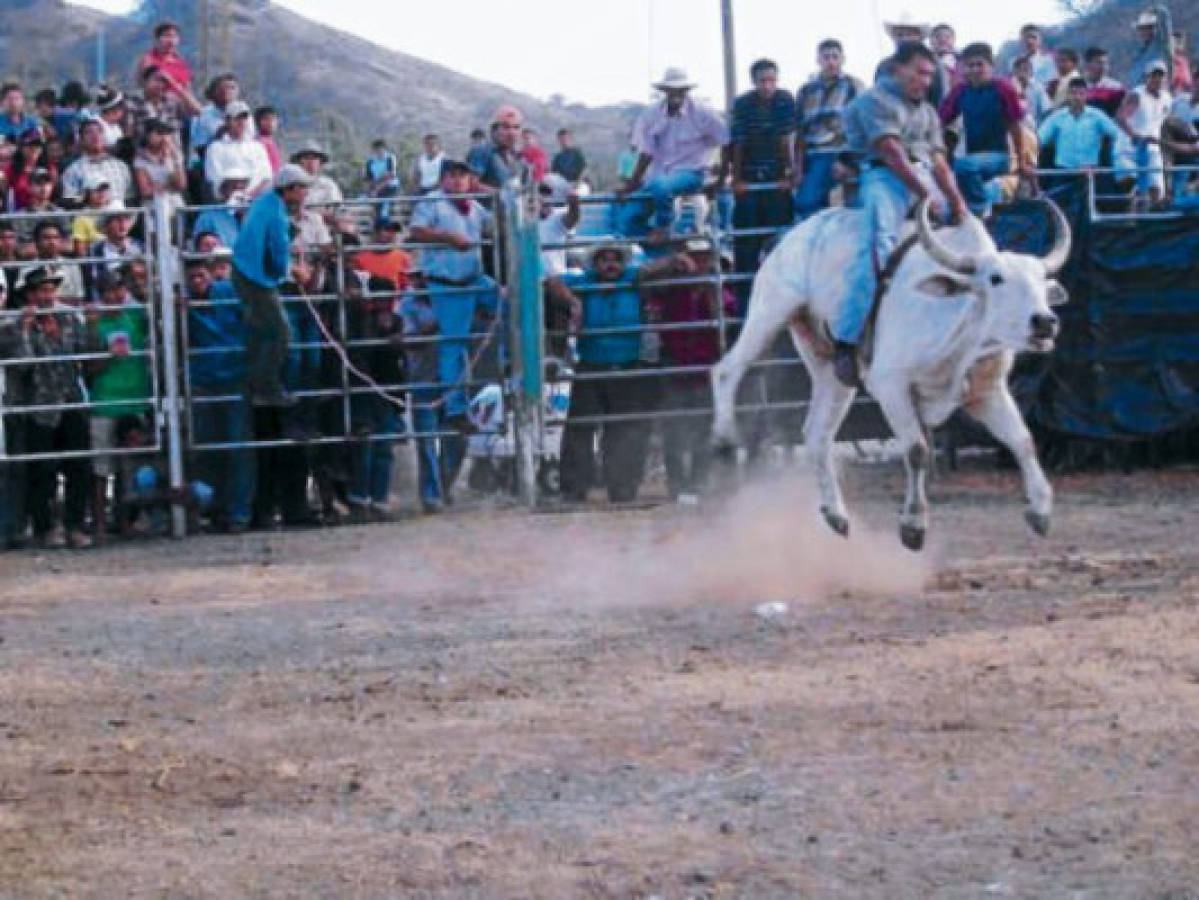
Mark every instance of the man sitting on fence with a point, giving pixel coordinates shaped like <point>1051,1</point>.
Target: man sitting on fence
<point>216,367</point>
<point>820,130</point>
<point>991,117</point>
<point>608,381</point>
<point>675,138</point>
<point>454,227</point>
<point>261,258</point>
<point>1077,132</point>
<point>1143,112</point>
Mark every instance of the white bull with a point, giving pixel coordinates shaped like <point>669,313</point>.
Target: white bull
<point>945,336</point>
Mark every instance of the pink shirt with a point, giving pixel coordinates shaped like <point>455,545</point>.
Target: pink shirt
<point>537,160</point>
<point>679,142</point>
<point>173,64</point>
<point>272,153</point>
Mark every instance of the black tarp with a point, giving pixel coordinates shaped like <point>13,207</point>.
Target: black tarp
<point>1127,363</point>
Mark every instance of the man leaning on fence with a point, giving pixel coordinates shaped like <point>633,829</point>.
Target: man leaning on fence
<point>460,294</point>
<point>47,331</point>
<point>608,381</point>
<point>261,258</point>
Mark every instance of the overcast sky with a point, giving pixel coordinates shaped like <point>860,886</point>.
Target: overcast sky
<point>602,51</point>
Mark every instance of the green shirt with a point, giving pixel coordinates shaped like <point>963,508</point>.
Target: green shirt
<point>123,378</point>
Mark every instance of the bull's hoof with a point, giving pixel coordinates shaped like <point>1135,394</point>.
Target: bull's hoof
<point>912,537</point>
<point>1038,522</point>
<point>838,523</point>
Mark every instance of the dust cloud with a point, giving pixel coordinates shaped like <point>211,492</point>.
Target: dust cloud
<point>766,542</point>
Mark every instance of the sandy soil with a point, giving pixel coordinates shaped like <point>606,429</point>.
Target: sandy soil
<point>499,704</point>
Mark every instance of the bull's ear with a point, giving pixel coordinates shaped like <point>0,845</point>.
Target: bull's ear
<point>941,285</point>
<point>1056,294</point>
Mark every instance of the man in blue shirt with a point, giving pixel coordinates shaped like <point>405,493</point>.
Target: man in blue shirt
<point>763,120</point>
<point>216,367</point>
<point>609,349</point>
<point>14,121</point>
<point>261,259</point>
<point>225,221</point>
<point>1076,131</point>
<point>460,297</point>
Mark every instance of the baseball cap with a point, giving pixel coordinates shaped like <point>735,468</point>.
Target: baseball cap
<point>451,165</point>
<point>291,174</point>
<point>237,109</point>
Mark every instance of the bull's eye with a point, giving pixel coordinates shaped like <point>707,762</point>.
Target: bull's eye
<point>996,279</point>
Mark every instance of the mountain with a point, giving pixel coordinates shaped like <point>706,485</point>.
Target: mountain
<point>1108,24</point>
<point>326,83</point>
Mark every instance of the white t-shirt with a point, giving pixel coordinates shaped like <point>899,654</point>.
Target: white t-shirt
<point>553,230</point>
<point>113,132</point>
<point>1151,112</point>
<point>246,155</point>
<point>428,171</point>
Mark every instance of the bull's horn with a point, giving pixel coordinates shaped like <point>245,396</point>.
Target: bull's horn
<point>1062,238</point>
<point>941,254</point>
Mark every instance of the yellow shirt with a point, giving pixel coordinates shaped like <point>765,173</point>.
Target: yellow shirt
<point>84,229</point>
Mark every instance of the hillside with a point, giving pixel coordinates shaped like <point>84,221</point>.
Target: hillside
<point>326,83</point>
<point>1109,25</point>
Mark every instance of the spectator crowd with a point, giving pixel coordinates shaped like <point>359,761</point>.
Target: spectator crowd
<point>314,341</point>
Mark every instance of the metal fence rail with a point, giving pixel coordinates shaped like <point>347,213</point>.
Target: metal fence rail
<point>514,351</point>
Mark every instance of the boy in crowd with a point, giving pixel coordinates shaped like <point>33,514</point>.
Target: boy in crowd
<point>119,386</point>
<point>216,365</point>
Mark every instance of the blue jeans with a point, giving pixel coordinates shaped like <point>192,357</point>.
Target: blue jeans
<point>632,215</point>
<point>439,459</point>
<point>456,312</point>
<point>372,460</point>
<point>231,473</point>
<point>885,201</point>
<point>813,192</point>
<point>973,171</point>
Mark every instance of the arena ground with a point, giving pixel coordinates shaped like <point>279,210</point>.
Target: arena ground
<point>501,704</point>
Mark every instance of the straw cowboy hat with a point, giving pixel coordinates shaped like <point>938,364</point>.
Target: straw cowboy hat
<point>906,22</point>
<point>674,79</point>
<point>620,247</point>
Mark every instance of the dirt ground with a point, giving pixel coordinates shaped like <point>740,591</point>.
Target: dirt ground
<point>499,704</point>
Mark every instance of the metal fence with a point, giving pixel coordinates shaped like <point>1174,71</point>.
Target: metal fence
<point>521,362</point>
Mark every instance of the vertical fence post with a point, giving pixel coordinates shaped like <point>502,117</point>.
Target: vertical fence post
<point>164,251</point>
<point>519,208</point>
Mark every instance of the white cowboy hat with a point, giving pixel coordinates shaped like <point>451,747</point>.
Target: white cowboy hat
<point>1145,20</point>
<point>907,22</point>
<point>674,79</point>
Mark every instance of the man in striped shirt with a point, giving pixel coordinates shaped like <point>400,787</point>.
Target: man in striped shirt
<point>763,120</point>
<point>819,132</point>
